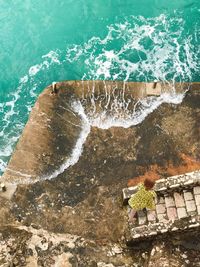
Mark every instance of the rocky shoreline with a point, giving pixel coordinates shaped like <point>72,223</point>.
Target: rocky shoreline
<point>77,218</point>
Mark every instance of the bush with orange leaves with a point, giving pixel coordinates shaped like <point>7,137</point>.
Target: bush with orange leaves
<point>155,172</point>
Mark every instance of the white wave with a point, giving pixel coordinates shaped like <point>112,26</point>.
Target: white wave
<point>2,165</point>
<point>53,56</point>
<point>149,50</point>
<point>127,119</point>
<point>27,89</point>
<point>77,150</point>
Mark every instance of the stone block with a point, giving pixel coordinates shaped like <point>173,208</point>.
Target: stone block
<point>198,210</point>
<point>140,230</point>
<point>163,231</point>
<point>159,200</point>
<point>172,213</point>
<point>193,225</point>
<point>174,186</point>
<point>169,201</point>
<point>174,229</point>
<point>127,193</point>
<point>136,236</point>
<point>188,196</point>
<point>142,219</point>
<point>179,200</point>
<point>196,190</point>
<point>189,182</point>
<point>160,208</point>
<point>159,185</point>
<point>152,233</point>
<point>190,205</point>
<point>197,199</point>
<point>181,213</point>
<point>162,218</point>
<point>151,215</point>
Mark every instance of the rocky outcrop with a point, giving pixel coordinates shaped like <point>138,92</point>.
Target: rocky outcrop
<point>84,200</point>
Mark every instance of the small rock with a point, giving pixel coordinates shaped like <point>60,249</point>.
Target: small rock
<point>2,187</point>
<point>153,252</point>
<point>110,254</point>
<point>184,256</point>
<point>15,261</point>
<point>143,255</point>
<point>116,250</point>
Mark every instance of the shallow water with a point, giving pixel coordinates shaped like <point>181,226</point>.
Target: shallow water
<point>48,41</point>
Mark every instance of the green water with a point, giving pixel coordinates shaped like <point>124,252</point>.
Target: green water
<point>51,40</point>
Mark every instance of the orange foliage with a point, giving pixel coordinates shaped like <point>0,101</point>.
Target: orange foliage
<point>151,173</point>
<point>188,165</point>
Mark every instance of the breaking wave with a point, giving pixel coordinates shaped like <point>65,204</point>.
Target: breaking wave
<point>140,49</point>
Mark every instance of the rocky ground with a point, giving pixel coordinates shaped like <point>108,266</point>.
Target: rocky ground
<point>78,219</point>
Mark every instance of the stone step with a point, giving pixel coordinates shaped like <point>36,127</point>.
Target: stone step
<point>176,208</point>
<point>169,207</point>
<point>151,216</point>
<point>142,217</point>
<point>182,213</point>
<point>191,205</point>
<point>180,205</point>
<point>196,192</point>
<point>171,184</point>
<point>179,200</point>
<point>153,229</point>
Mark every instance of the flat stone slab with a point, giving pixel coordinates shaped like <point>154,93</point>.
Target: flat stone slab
<point>198,210</point>
<point>169,201</point>
<point>188,196</point>
<point>181,213</point>
<point>159,200</point>
<point>190,205</point>
<point>160,208</point>
<point>162,217</point>
<point>172,213</point>
<point>151,215</point>
<point>179,200</point>
<point>196,190</point>
<point>142,219</point>
<point>197,199</point>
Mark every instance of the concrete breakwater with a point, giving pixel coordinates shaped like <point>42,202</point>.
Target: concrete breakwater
<point>55,125</point>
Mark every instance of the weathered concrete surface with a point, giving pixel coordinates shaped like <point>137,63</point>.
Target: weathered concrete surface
<point>85,200</point>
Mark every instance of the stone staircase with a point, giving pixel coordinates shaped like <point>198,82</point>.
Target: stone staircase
<point>177,207</point>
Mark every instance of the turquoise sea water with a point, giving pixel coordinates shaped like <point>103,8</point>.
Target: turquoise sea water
<point>51,40</point>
